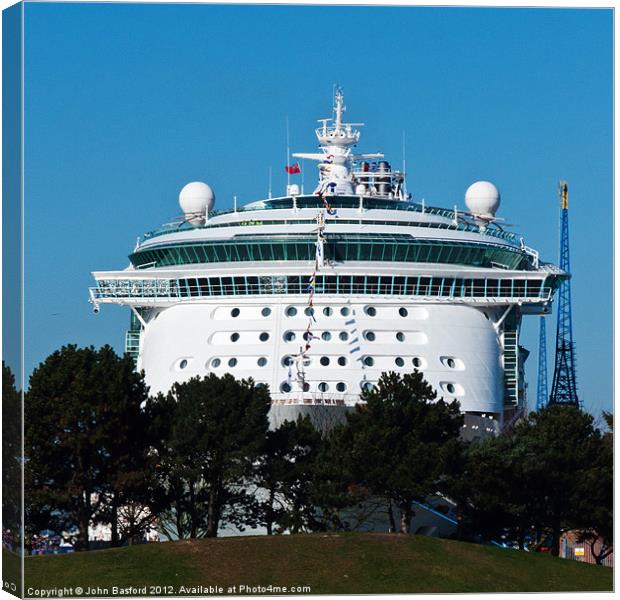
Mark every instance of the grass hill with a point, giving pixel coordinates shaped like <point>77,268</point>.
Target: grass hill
<point>330,563</point>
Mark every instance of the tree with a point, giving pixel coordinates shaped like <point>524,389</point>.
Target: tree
<point>595,498</point>
<point>496,490</point>
<point>285,473</point>
<point>206,456</point>
<point>11,456</point>
<point>85,440</point>
<point>549,473</point>
<point>400,441</point>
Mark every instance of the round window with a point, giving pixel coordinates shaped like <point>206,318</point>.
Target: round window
<point>417,362</point>
<point>285,387</point>
<point>324,360</point>
<point>306,387</point>
<point>265,312</point>
<point>342,361</point>
<point>234,337</point>
<point>400,336</point>
<point>369,335</point>
<point>289,336</point>
<point>306,335</point>
<point>344,336</point>
<point>264,336</point>
<point>328,311</point>
<point>234,312</point>
<point>215,363</point>
<point>369,361</point>
<point>232,362</point>
<point>451,363</point>
<point>399,362</point>
<point>345,311</point>
<point>323,387</point>
<point>341,387</point>
<point>291,311</point>
<point>262,361</point>
<point>366,386</point>
<point>450,388</point>
<point>287,361</point>
<point>309,311</point>
<point>403,312</point>
<point>326,336</point>
<point>183,364</point>
<point>371,311</point>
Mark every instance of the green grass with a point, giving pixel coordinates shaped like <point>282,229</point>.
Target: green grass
<point>328,564</point>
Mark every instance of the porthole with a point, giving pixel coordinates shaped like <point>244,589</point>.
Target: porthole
<point>309,311</point>
<point>450,388</point>
<point>369,361</point>
<point>341,387</point>
<point>264,336</point>
<point>399,362</point>
<point>451,363</point>
<point>232,362</point>
<point>306,335</point>
<point>326,336</point>
<point>265,312</point>
<point>285,387</point>
<point>234,312</point>
<point>291,311</point>
<point>343,335</point>
<point>324,360</point>
<point>345,311</point>
<point>215,363</point>
<point>323,387</point>
<point>402,311</point>
<point>287,361</point>
<point>342,361</point>
<point>306,387</point>
<point>366,386</point>
<point>289,336</point>
<point>369,335</point>
<point>183,364</point>
<point>371,311</point>
<point>328,311</point>
<point>417,362</point>
<point>262,361</point>
<point>234,337</point>
<point>400,336</point>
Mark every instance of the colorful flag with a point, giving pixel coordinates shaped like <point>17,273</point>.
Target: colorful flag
<point>292,169</point>
<point>320,258</point>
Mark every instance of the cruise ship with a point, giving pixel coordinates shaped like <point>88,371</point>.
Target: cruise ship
<point>316,294</point>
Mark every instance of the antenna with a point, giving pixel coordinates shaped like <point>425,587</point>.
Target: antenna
<point>288,155</point>
<point>269,183</point>
<point>235,203</point>
<point>404,166</point>
<point>303,168</point>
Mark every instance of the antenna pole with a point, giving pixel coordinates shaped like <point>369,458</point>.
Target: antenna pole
<point>302,176</point>
<point>269,183</point>
<point>404,167</point>
<point>235,203</point>
<point>288,156</point>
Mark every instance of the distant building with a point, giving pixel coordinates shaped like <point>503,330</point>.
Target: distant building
<point>572,548</point>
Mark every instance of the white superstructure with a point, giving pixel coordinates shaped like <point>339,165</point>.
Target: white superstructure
<point>316,295</point>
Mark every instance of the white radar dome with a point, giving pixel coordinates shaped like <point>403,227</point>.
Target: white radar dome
<point>196,199</point>
<point>482,198</point>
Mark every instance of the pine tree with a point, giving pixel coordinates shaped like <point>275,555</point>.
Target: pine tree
<point>85,441</point>
<point>400,441</point>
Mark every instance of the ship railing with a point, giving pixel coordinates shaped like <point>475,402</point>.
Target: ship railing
<point>349,202</point>
<point>107,290</point>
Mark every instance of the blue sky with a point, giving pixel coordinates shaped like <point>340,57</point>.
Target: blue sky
<point>124,104</point>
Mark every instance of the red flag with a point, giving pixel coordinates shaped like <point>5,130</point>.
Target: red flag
<point>292,169</point>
